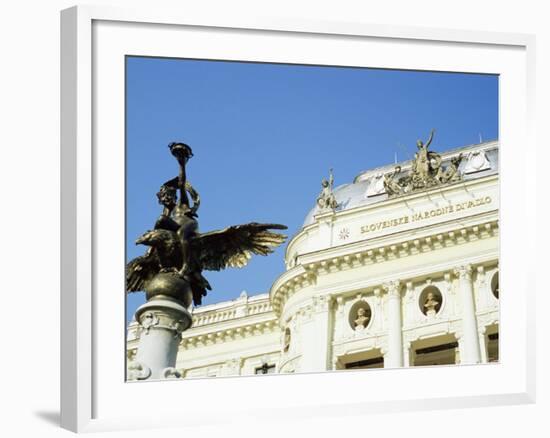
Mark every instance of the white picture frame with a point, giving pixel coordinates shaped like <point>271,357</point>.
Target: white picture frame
<point>94,41</point>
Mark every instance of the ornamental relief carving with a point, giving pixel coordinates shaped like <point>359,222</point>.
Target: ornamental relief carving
<point>321,303</point>
<point>481,279</point>
<point>153,319</point>
<point>131,354</point>
<point>178,327</point>
<point>289,365</point>
<point>340,305</point>
<point>137,371</point>
<point>464,272</point>
<point>476,162</point>
<point>375,186</point>
<point>305,314</point>
<point>392,288</point>
<point>480,288</point>
<point>232,367</point>
<point>409,292</point>
<point>148,320</point>
<point>171,373</point>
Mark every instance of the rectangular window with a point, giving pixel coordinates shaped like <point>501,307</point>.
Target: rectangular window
<point>377,362</point>
<point>442,354</point>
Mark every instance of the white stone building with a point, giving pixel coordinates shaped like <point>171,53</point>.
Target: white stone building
<point>379,281</point>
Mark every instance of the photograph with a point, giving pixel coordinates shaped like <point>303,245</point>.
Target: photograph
<point>294,218</point>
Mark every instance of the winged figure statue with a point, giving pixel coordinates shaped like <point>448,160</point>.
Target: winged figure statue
<point>177,249</point>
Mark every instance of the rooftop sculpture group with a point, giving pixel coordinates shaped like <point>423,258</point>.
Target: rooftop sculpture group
<point>426,171</point>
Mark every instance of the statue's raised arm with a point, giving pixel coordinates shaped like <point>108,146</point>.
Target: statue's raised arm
<point>182,153</point>
<point>429,141</point>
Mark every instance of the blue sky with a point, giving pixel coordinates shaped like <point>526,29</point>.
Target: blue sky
<point>264,135</point>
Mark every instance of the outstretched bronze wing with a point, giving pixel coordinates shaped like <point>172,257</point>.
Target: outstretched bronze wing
<point>234,246</point>
<point>141,270</point>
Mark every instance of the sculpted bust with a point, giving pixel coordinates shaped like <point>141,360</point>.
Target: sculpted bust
<point>431,304</point>
<point>362,319</point>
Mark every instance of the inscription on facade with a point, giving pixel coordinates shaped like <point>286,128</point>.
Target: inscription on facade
<point>426,214</point>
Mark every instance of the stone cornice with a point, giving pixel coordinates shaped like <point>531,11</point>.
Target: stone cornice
<point>367,253</point>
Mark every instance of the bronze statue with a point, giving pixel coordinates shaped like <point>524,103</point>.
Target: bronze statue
<point>178,252</point>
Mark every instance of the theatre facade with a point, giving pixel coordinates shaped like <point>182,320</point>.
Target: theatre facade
<point>398,268</point>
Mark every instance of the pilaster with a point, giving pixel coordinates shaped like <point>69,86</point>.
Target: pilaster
<point>394,357</point>
<point>470,341</point>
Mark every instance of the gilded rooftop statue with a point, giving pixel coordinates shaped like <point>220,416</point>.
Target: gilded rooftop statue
<point>178,252</point>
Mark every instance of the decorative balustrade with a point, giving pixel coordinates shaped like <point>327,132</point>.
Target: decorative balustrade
<point>235,310</point>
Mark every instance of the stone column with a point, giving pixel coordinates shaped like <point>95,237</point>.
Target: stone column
<point>470,351</point>
<point>162,320</point>
<point>394,356</point>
